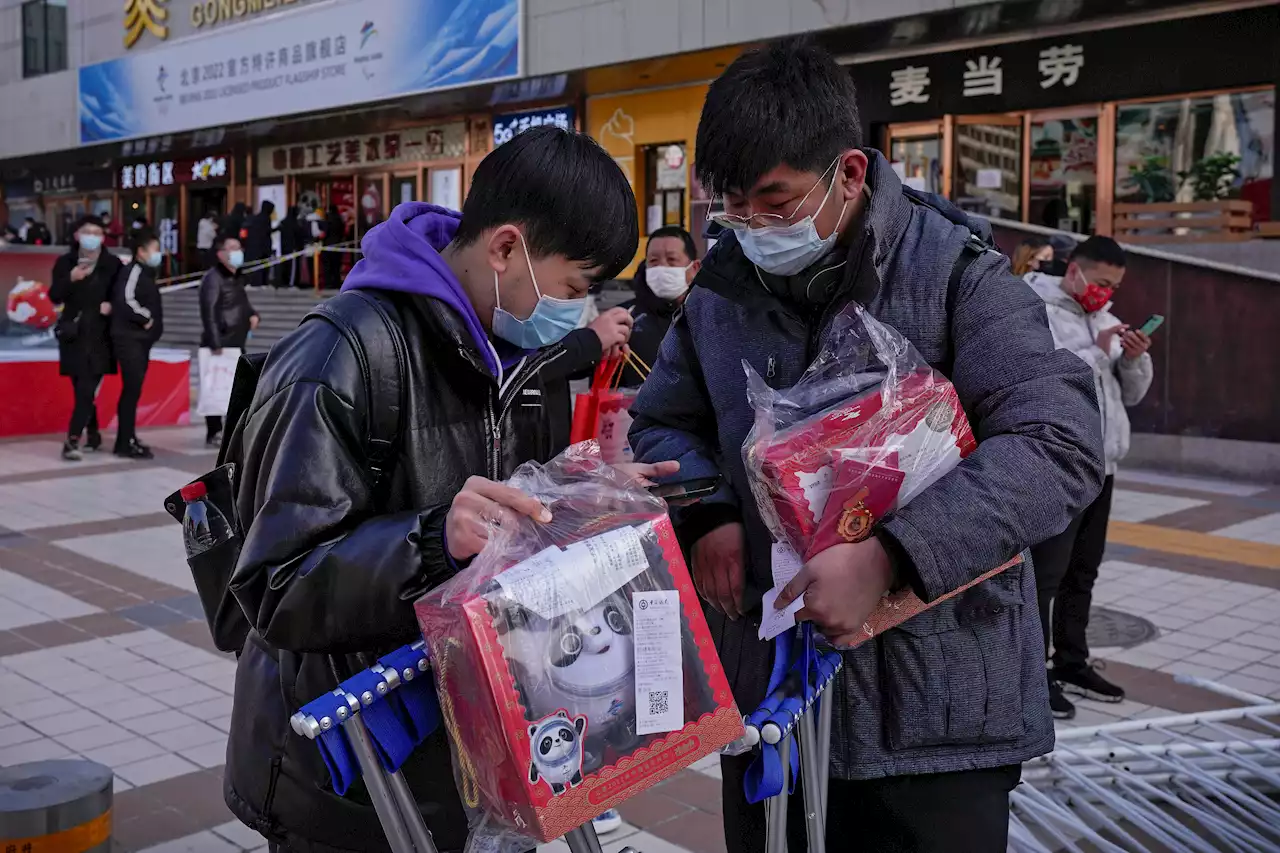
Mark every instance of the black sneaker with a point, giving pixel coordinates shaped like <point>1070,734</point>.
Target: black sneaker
<point>94,442</point>
<point>134,450</point>
<point>214,441</point>
<point>71,450</point>
<point>1085,681</point>
<point>1059,704</point>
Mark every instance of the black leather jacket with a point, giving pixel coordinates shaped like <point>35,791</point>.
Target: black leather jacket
<point>323,572</point>
<point>224,309</point>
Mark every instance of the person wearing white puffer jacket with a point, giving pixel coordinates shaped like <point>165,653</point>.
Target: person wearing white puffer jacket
<point>1078,306</point>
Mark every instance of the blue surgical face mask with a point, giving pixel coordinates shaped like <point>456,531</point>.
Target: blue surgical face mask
<point>153,260</point>
<point>789,249</point>
<point>235,259</point>
<point>90,242</point>
<point>550,321</point>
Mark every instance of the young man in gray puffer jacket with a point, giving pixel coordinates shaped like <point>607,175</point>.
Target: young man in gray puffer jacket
<point>932,719</point>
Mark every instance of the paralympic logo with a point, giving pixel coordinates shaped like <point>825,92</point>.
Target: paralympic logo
<point>367,32</point>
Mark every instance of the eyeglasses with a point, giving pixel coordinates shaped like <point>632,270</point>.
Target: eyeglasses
<point>740,223</point>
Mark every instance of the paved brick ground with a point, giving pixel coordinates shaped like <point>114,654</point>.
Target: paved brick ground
<point>103,650</point>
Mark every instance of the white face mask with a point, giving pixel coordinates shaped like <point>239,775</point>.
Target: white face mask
<point>667,282</point>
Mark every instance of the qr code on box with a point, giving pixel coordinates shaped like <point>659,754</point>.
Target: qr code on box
<point>658,702</point>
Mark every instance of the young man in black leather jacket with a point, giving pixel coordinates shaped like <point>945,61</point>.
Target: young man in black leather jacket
<point>329,572</point>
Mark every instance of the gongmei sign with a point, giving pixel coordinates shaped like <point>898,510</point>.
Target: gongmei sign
<point>165,173</point>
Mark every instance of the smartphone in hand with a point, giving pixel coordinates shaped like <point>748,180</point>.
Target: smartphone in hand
<point>1154,322</point>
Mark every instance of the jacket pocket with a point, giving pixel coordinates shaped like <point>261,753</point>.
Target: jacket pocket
<point>954,674</point>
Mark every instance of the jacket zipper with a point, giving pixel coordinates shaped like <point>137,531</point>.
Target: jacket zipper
<point>499,405</point>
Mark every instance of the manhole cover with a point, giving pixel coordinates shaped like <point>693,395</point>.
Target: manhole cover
<point>1112,628</point>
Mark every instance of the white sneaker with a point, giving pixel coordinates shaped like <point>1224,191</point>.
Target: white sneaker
<point>607,822</point>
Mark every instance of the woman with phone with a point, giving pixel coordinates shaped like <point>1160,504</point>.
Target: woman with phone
<point>81,284</point>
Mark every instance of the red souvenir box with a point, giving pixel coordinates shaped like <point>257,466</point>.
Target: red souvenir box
<point>544,770</point>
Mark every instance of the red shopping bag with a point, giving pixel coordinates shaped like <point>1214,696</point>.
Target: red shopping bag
<point>586,407</point>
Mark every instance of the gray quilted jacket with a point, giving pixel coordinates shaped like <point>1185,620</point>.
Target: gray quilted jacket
<point>961,686</point>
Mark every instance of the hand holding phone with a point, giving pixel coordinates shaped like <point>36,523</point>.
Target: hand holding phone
<point>1154,322</point>
<point>684,492</point>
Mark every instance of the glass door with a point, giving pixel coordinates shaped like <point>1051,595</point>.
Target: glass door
<point>403,188</point>
<point>1063,169</point>
<point>987,165</point>
<point>916,153</point>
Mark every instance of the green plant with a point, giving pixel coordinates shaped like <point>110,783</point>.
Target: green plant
<point>1153,179</point>
<point>1212,177</point>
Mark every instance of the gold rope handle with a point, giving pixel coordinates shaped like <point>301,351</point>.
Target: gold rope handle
<point>638,364</point>
<point>470,782</point>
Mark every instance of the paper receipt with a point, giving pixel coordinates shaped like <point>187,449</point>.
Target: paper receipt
<point>659,673</point>
<point>554,582</point>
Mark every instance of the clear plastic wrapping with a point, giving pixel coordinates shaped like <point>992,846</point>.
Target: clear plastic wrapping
<point>572,660</point>
<point>869,426</point>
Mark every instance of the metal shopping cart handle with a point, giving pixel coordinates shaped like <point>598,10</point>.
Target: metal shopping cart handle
<point>360,730</point>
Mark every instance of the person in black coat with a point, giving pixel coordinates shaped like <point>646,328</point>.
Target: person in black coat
<point>233,223</point>
<point>661,285</point>
<point>82,282</point>
<point>288,245</point>
<point>226,315</point>
<point>335,232</point>
<point>257,242</point>
<point>137,322</point>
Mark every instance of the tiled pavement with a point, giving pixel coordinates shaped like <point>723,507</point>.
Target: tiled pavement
<point>93,588</point>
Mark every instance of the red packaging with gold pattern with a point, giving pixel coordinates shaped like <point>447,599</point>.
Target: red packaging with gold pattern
<point>572,660</point>
<point>868,427</point>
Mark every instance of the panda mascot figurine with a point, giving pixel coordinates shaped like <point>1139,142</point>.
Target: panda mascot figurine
<point>583,661</point>
<point>555,747</point>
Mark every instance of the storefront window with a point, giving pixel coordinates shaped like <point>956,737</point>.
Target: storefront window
<point>1191,149</point>
<point>1064,173</point>
<point>667,179</point>
<point>988,168</point>
<point>918,161</point>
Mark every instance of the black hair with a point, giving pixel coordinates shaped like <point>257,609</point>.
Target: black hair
<point>1099,250</point>
<point>564,190</point>
<point>139,238</point>
<point>86,219</point>
<point>690,247</point>
<point>788,102</point>
<point>221,240</point>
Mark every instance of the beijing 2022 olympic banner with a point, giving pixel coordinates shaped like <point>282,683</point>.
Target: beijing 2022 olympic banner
<point>316,59</point>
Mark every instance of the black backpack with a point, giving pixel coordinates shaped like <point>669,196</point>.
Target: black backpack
<point>371,325</point>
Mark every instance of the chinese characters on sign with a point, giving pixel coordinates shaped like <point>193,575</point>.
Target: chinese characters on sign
<point>269,61</point>
<point>146,15</point>
<point>512,124</point>
<point>1058,65</point>
<point>166,173</point>
<point>1061,65</point>
<point>983,77</point>
<point>359,152</point>
<point>908,86</point>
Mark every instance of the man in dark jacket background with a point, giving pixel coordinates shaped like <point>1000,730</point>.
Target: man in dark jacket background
<point>226,315</point>
<point>933,719</point>
<point>329,571</point>
<point>257,242</point>
<point>137,321</point>
<point>81,283</point>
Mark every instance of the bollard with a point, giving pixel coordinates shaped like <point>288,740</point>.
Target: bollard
<point>56,807</point>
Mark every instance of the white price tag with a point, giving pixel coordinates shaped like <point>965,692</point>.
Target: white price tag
<point>786,565</point>
<point>535,584</point>
<point>659,670</point>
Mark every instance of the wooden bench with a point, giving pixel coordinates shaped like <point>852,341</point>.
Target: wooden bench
<point>1184,222</point>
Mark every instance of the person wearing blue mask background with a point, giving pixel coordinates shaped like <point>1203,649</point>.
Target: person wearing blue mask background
<point>137,321</point>
<point>334,555</point>
<point>933,719</point>
<point>226,315</point>
<point>81,283</point>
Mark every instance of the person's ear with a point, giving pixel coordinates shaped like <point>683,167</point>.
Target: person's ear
<point>852,173</point>
<point>691,271</point>
<point>502,246</point>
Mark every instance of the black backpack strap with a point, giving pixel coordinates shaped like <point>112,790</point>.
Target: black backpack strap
<point>973,248</point>
<point>371,326</point>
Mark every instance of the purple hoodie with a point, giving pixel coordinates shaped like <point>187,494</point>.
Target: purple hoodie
<point>403,254</point>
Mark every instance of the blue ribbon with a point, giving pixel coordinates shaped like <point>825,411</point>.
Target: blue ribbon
<point>790,687</point>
